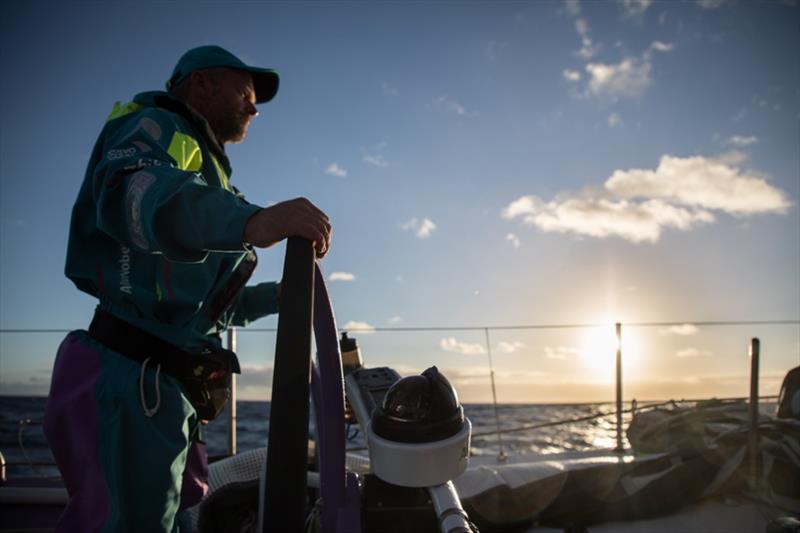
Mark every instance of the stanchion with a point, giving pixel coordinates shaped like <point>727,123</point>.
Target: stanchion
<point>755,354</point>
<point>620,447</point>
<point>232,401</point>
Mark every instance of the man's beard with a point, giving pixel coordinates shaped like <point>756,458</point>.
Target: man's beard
<point>231,130</point>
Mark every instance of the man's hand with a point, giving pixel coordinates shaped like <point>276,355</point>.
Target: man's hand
<point>293,218</point>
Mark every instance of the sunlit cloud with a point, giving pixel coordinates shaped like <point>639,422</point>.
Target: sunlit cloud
<point>614,120</point>
<point>335,170</point>
<point>450,344</point>
<point>571,75</point>
<point>710,4</point>
<point>701,182</point>
<point>587,49</point>
<point>693,352</point>
<point>421,228</point>
<point>395,320</point>
<point>375,160</point>
<point>741,141</point>
<point>514,240</point>
<point>683,329</point>
<point>573,7</point>
<point>602,217</point>
<point>509,347</point>
<point>361,327</point>
<point>341,276</point>
<point>627,79</point>
<point>633,8</point>
<point>451,106</point>
<point>560,352</point>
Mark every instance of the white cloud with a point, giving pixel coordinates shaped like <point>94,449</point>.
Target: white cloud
<point>560,352</point>
<point>363,328</point>
<point>602,217</point>
<point>614,120</point>
<point>693,352</point>
<point>573,7</point>
<point>450,344</point>
<point>509,347</point>
<point>741,141</point>
<point>395,320</point>
<point>335,170</point>
<point>701,182</point>
<point>421,228</point>
<point>637,204</point>
<point>451,106</point>
<point>514,240</point>
<point>627,79</point>
<point>571,75</point>
<point>588,48</point>
<point>710,4</point>
<point>375,160</point>
<point>341,276</point>
<point>683,329</point>
<point>633,8</point>
<point>661,46</point>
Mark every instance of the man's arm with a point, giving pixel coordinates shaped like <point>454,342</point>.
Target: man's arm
<point>256,301</point>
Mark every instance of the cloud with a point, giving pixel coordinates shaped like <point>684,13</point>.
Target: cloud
<point>614,120</point>
<point>395,320</point>
<point>362,327</point>
<point>701,182</point>
<point>335,170</point>
<point>602,217</point>
<point>633,8</point>
<point>422,228</point>
<point>376,160</point>
<point>451,106</point>
<point>693,352</point>
<point>571,75</point>
<point>740,141</point>
<point>560,352</point>
<point>514,240</point>
<point>509,347</point>
<point>627,79</point>
<point>450,344</point>
<point>710,4</point>
<point>588,48</point>
<point>683,329</point>
<point>341,276</point>
<point>573,7</point>
<point>660,46</point>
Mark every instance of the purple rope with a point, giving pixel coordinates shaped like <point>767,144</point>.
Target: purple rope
<point>340,509</point>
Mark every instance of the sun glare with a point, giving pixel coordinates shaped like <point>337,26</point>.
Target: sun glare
<point>598,351</point>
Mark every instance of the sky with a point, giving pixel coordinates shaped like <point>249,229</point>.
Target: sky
<point>485,164</point>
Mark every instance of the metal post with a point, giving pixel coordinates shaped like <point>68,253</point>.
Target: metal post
<point>502,456</point>
<point>620,447</point>
<point>232,402</point>
<point>755,354</point>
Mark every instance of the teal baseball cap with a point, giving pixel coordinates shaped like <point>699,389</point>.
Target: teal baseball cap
<point>265,80</point>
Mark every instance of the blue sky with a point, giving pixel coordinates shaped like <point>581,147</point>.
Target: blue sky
<point>484,163</point>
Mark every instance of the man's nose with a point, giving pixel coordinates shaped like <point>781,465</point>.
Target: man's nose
<point>251,109</point>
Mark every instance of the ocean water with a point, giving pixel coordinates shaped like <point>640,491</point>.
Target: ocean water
<point>23,445</point>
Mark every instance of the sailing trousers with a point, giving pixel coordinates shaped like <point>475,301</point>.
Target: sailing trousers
<point>124,471</point>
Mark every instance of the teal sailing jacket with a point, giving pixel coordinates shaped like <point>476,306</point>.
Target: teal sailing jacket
<point>156,231</point>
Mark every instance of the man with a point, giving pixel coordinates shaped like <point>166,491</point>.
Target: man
<point>165,242</point>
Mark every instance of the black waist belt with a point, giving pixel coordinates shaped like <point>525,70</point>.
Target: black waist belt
<point>204,376</point>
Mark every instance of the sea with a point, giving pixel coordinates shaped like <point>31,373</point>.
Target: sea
<point>26,453</point>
